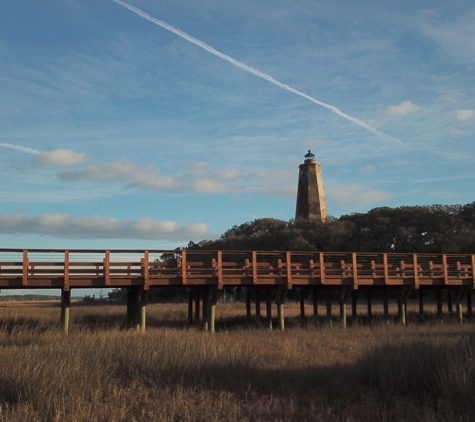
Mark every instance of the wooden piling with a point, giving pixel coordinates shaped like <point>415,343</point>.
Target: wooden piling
<point>279,301</point>
<point>130,306</point>
<point>421,302</point>
<point>137,308</point>
<point>65,305</point>
<point>258,303</point>
<point>370,304</point>
<point>449,302</point>
<point>386,303</point>
<point>280,315</point>
<point>439,303</point>
<point>343,313</point>
<point>302,304</point>
<point>402,308</point>
<point>459,310</point>
<point>143,309</point>
<point>269,311</point>
<point>204,325</point>
<point>354,304</point>
<point>190,306</point>
<point>212,296</point>
<point>315,303</point>
<point>197,306</point>
<point>329,305</point>
<point>248,304</point>
<point>469,303</point>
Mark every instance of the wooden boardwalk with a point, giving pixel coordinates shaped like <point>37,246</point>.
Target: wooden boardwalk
<point>210,271</point>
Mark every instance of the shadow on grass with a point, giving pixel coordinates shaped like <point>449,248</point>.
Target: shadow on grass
<point>10,325</point>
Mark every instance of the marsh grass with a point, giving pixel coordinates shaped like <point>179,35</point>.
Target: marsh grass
<point>175,372</point>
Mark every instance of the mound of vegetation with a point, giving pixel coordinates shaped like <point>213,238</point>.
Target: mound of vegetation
<point>407,229</point>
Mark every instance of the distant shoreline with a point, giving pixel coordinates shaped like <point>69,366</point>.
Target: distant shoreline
<point>28,297</point>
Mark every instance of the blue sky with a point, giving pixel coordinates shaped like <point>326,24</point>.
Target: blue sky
<point>116,132</point>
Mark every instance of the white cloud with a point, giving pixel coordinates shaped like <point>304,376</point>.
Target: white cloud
<point>97,227</point>
<point>124,171</point>
<point>207,186</point>
<point>355,196</point>
<point>464,115</point>
<point>443,194</point>
<point>402,109</point>
<point>60,157</point>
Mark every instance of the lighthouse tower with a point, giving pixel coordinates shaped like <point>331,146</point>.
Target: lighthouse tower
<point>311,203</point>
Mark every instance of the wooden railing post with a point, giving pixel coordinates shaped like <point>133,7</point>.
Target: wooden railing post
<point>385,267</point>
<point>220,269</point>
<point>66,269</point>
<point>145,269</point>
<point>24,281</point>
<point>322,268</point>
<point>106,265</point>
<point>473,271</point>
<point>355,271</point>
<point>289,270</point>
<point>254,267</point>
<point>416,271</point>
<point>446,272</point>
<point>183,267</point>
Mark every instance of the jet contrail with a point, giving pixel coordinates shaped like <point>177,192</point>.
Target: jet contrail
<point>20,148</point>
<point>254,71</point>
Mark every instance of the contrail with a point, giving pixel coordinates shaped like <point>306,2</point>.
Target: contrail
<point>20,148</point>
<point>254,71</point>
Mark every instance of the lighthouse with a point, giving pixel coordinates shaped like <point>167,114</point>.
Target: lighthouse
<point>311,203</point>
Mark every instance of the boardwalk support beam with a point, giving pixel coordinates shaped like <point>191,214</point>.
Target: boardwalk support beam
<point>460,295</point>
<point>402,303</point>
<point>212,298</point>
<point>248,304</point>
<point>197,306</point>
<point>386,303</point>
<point>354,304</point>
<point>439,303</point>
<point>258,303</point>
<point>345,293</point>
<point>65,305</point>
<point>279,301</point>
<point>370,305</point>
<point>269,310</point>
<point>302,305</point>
<point>329,305</point>
<point>315,303</point>
<point>143,308</point>
<point>190,306</point>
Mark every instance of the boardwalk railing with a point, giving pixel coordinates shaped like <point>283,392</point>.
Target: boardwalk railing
<point>203,273</point>
<point>41,268</point>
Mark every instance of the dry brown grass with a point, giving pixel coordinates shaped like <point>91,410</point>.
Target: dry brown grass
<point>175,372</point>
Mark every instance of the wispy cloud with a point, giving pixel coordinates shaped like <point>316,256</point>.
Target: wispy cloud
<point>60,157</point>
<point>97,227</point>
<point>124,171</point>
<point>355,196</point>
<point>465,115</point>
<point>20,148</point>
<point>254,71</point>
<point>443,178</point>
<point>400,110</point>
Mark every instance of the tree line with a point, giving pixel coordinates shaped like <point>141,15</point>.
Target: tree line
<point>406,229</point>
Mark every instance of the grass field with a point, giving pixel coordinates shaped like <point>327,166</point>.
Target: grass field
<point>175,372</point>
